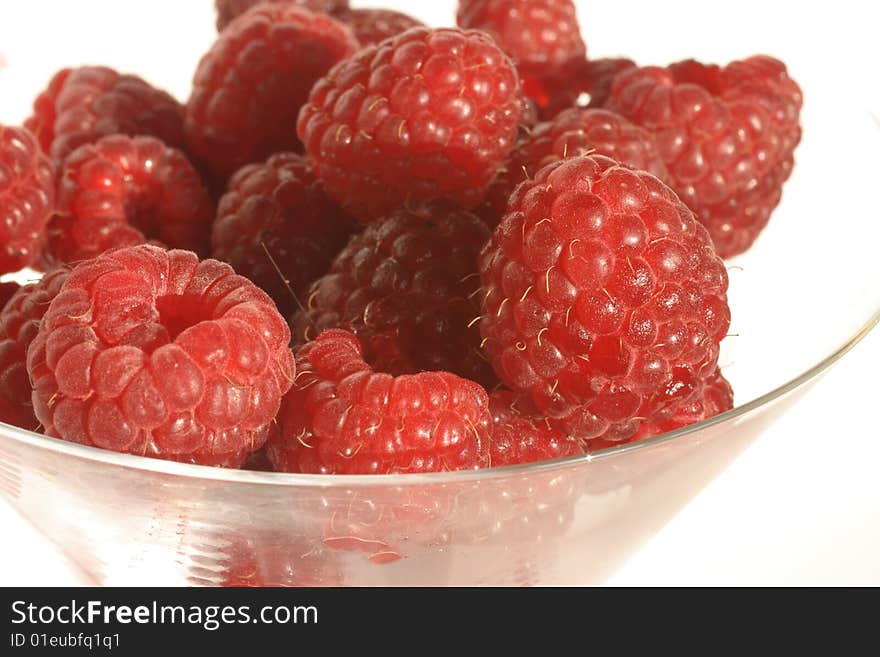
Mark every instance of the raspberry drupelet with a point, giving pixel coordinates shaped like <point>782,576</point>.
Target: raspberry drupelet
<point>249,87</point>
<point>277,214</point>
<point>582,83</point>
<point>19,321</point>
<point>603,298</point>
<point>727,136</point>
<point>407,287</point>
<point>428,114</point>
<point>229,10</point>
<point>84,104</point>
<point>123,191</point>
<point>343,417</point>
<point>370,26</point>
<point>573,132</point>
<point>152,352</point>
<point>27,197</point>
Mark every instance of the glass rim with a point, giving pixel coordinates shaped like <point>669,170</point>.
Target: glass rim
<point>232,476</point>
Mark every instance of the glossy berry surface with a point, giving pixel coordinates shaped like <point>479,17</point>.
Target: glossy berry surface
<point>541,36</point>
<point>603,297</point>
<point>249,87</point>
<point>229,10</point>
<point>19,320</point>
<point>727,136</point>
<point>27,196</point>
<point>122,191</point>
<point>343,417</point>
<point>572,133</point>
<point>84,104</point>
<point>277,214</point>
<point>428,114</point>
<point>407,288</point>
<point>370,26</point>
<point>521,435</point>
<point>152,352</point>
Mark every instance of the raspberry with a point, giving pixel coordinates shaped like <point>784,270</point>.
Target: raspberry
<point>604,299</point>
<point>574,132</point>
<point>370,26</point>
<point>7,291</point>
<point>27,195</point>
<point>583,83</point>
<point>229,10</point>
<point>343,417</point>
<point>428,114</point>
<point>521,435</point>
<point>405,287</point>
<point>715,398</point>
<point>727,136</point>
<point>249,87</point>
<point>19,321</point>
<point>152,352</point>
<point>84,104</point>
<point>541,36</point>
<point>122,191</point>
<point>278,212</point>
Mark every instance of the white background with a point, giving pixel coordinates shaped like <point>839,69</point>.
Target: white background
<point>801,506</point>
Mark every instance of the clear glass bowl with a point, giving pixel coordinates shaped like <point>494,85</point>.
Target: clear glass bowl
<point>801,298</point>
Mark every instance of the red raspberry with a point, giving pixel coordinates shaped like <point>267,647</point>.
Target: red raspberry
<point>521,435</point>
<point>370,26</point>
<point>84,104</point>
<point>276,213</point>
<point>229,10</point>
<point>583,83</point>
<point>406,287</point>
<point>574,132</point>
<point>19,321</point>
<point>7,291</point>
<point>249,87</point>
<point>604,299</point>
<point>542,36</point>
<point>727,136</point>
<point>428,114</point>
<point>152,352</point>
<point>343,417</point>
<point>122,191</point>
<point>715,398</point>
<point>27,196</point>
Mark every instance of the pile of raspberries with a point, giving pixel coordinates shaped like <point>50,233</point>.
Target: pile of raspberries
<point>363,245</point>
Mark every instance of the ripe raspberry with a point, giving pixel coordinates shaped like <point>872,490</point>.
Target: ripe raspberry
<point>122,191</point>
<point>428,114</point>
<point>83,104</point>
<point>727,136</point>
<point>574,132</point>
<point>229,10</point>
<point>406,287</point>
<point>541,36</point>
<point>249,87</point>
<point>343,417</point>
<point>277,211</point>
<point>7,291</point>
<point>152,352</point>
<point>27,196</point>
<point>583,83</point>
<point>715,398</point>
<point>521,435</point>
<point>19,321</point>
<point>604,299</point>
<point>370,26</point>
